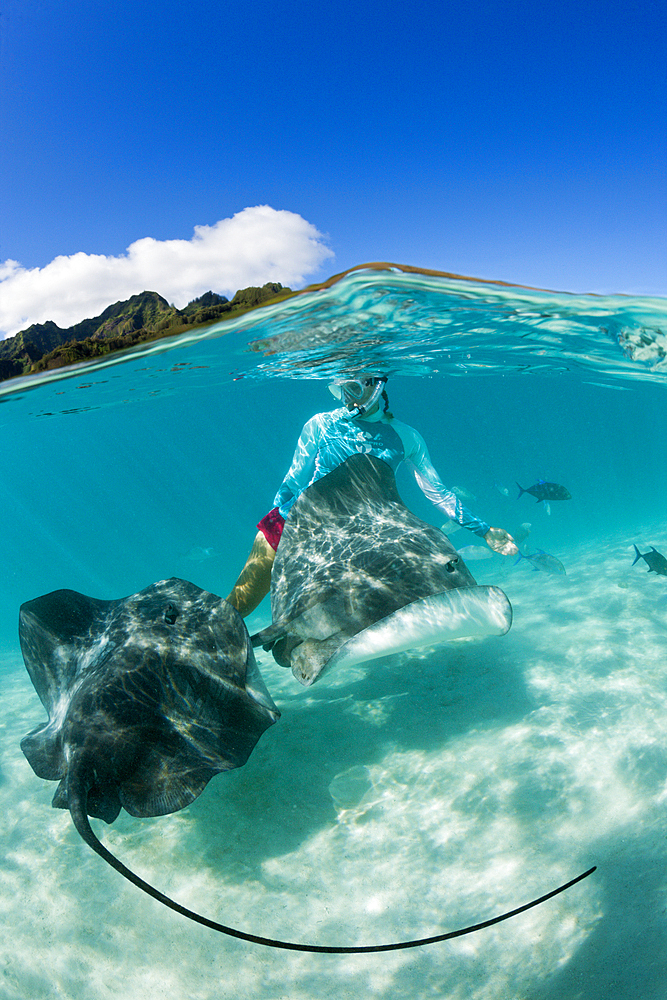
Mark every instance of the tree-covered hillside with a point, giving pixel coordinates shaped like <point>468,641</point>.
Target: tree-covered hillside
<point>142,317</point>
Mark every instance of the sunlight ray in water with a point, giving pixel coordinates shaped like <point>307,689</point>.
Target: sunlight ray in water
<point>401,797</point>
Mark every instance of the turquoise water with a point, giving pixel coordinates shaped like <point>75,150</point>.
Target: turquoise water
<point>408,796</point>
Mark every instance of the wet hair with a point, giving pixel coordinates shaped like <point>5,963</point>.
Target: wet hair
<point>385,400</point>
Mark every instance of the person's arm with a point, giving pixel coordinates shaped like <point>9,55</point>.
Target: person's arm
<point>418,460</point>
<point>302,468</point>
<point>444,499</point>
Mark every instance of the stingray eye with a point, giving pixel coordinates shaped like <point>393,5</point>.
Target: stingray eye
<point>452,564</point>
<point>171,613</point>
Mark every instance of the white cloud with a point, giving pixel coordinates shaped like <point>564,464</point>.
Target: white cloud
<point>256,245</point>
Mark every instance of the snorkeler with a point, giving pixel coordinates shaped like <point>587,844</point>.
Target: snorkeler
<point>359,426</point>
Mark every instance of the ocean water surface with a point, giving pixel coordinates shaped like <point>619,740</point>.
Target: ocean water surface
<point>400,798</point>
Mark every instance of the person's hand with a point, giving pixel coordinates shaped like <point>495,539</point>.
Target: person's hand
<point>501,541</point>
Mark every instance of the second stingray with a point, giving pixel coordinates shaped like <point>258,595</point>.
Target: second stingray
<point>357,576</point>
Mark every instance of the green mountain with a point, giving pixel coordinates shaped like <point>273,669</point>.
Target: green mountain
<point>142,317</point>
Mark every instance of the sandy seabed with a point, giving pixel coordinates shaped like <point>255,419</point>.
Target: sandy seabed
<point>399,799</point>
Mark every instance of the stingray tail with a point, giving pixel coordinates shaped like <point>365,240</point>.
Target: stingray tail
<point>77,805</point>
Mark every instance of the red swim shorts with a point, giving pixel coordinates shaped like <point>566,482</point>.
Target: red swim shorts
<point>271,526</point>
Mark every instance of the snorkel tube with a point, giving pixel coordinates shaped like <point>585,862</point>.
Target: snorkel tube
<point>351,393</point>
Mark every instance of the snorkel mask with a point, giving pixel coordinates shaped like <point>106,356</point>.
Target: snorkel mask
<point>351,393</point>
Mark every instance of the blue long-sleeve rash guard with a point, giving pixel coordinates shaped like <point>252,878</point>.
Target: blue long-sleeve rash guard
<point>327,439</point>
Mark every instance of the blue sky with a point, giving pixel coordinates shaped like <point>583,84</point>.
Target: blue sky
<point>508,140</point>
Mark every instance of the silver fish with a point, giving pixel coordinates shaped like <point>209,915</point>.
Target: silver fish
<point>542,560</point>
<point>475,552</point>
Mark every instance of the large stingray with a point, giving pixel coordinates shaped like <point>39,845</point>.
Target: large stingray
<point>358,575</point>
<point>148,697</point>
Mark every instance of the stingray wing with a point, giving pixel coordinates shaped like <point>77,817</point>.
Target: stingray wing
<point>53,631</point>
<point>59,635</point>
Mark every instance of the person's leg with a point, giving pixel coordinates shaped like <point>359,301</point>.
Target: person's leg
<point>254,582</point>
